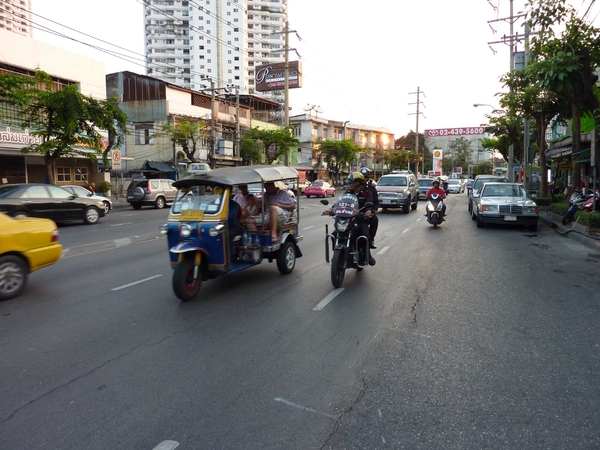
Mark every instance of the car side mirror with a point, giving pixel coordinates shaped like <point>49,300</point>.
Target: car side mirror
<point>325,202</point>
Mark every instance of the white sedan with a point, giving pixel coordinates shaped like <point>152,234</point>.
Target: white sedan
<point>455,186</point>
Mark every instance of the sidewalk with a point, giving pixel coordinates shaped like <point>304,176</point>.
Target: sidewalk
<point>573,230</point>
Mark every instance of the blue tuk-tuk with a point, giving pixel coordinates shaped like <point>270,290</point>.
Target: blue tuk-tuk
<point>208,236</point>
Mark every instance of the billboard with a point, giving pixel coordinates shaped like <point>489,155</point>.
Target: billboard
<point>271,77</point>
<point>455,132</point>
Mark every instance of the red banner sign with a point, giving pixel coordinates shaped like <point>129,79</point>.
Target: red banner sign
<point>464,131</point>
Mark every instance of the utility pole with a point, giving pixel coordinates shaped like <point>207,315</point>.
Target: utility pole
<point>418,103</point>
<point>237,151</point>
<point>213,136</point>
<point>286,85</point>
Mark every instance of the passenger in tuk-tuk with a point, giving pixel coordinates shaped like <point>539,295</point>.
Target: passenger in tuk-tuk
<point>279,206</point>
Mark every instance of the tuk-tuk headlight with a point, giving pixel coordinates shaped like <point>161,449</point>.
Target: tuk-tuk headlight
<point>185,230</point>
<point>216,230</point>
<point>164,229</point>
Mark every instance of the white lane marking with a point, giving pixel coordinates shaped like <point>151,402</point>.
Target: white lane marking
<point>166,445</point>
<point>383,250</point>
<point>304,408</point>
<point>308,228</point>
<point>135,282</point>
<point>121,224</point>
<point>323,303</point>
<point>419,219</point>
<point>405,230</point>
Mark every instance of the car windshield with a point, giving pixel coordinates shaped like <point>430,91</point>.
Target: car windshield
<point>453,182</point>
<point>392,181</point>
<point>425,182</point>
<point>199,198</point>
<point>480,181</point>
<point>510,190</point>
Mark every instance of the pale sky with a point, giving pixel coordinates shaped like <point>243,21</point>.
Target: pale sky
<point>361,59</point>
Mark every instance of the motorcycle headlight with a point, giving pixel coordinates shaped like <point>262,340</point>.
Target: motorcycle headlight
<point>185,230</point>
<point>342,225</point>
<point>163,229</point>
<point>430,206</point>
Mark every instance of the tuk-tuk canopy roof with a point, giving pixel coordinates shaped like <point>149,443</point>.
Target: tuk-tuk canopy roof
<point>231,176</point>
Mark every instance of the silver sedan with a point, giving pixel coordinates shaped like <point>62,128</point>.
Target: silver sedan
<point>505,203</point>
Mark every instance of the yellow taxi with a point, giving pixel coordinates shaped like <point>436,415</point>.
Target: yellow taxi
<point>26,245</point>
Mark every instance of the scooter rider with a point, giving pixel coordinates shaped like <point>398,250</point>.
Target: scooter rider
<point>357,183</point>
<point>437,190</point>
<point>374,220</point>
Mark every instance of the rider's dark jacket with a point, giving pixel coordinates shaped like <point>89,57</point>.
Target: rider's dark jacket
<point>371,187</point>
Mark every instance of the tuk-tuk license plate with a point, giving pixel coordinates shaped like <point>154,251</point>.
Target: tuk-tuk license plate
<point>191,214</point>
<point>510,218</point>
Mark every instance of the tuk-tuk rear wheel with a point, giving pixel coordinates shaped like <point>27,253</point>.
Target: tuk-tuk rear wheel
<point>286,258</point>
<point>184,285</point>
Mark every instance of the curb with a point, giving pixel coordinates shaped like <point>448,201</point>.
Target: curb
<point>575,231</point>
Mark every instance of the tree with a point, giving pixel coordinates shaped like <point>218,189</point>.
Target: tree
<point>187,134</point>
<point>337,154</point>
<point>67,122</point>
<point>528,99</point>
<point>275,143</point>
<point>459,152</point>
<point>566,63</point>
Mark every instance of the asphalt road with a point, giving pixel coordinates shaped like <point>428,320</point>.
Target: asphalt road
<point>457,338</point>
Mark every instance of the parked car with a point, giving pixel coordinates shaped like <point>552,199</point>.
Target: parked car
<point>424,185</point>
<point>50,202</point>
<point>319,188</point>
<point>398,191</point>
<point>479,180</point>
<point>26,245</point>
<point>301,186</point>
<point>80,191</point>
<point>155,192</point>
<point>455,186</point>
<point>505,203</point>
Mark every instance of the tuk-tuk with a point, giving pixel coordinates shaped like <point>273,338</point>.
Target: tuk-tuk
<point>208,236</point>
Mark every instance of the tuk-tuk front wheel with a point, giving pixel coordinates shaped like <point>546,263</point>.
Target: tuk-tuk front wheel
<point>184,285</point>
<point>286,258</point>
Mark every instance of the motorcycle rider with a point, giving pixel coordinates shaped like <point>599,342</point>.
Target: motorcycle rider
<point>437,190</point>
<point>357,184</point>
<point>374,220</point>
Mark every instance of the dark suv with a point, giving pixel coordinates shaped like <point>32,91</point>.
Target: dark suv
<point>155,192</point>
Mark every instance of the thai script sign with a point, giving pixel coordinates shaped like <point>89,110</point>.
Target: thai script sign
<point>23,138</point>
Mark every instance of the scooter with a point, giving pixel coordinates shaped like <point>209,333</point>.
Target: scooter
<point>576,201</point>
<point>434,210</point>
<point>350,251</point>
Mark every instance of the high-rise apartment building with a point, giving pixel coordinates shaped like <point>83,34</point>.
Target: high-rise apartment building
<point>15,16</point>
<point>190,43</point>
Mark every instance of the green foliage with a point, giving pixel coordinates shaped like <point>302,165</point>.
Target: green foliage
<point>274,144</point>
<point>559,208</point>
<point>105,186</point>
<point>67,122</point>
<point>187,134</point>
<point>400,159</point>
<point>338,154</point>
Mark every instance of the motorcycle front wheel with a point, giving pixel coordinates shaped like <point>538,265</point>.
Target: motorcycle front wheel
<point>337,268</point>
<point>184,285</point>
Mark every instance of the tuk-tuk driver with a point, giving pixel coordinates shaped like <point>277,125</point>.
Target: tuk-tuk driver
<point>280,206</point>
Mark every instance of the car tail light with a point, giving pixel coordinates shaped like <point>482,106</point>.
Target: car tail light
<point>54,236</point>
<point>148,189</point>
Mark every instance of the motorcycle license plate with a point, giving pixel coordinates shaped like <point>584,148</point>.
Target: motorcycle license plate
<point>510,218</point>
<point>385,202</point>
